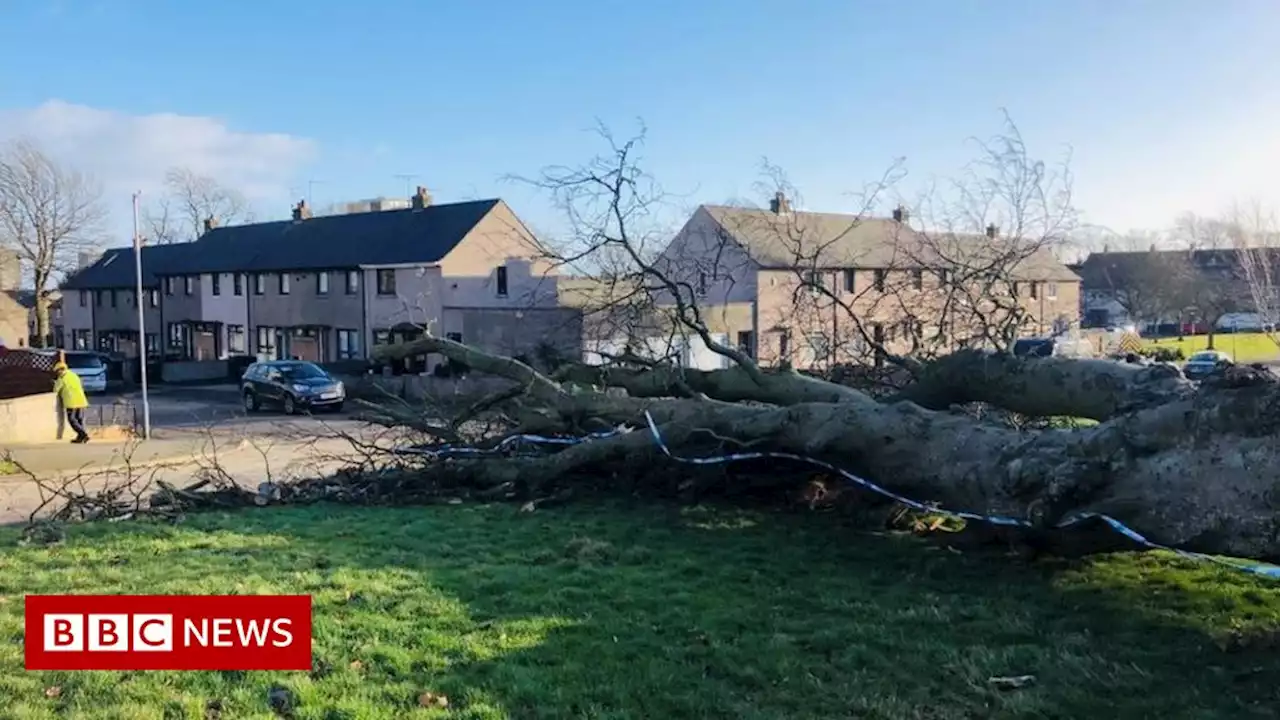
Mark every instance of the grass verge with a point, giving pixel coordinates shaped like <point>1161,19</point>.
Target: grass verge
<point>1243,347</point>
<point>601,611</point>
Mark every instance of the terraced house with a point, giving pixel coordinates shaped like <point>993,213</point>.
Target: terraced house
<point>772,278</point>
<point>327,288</point>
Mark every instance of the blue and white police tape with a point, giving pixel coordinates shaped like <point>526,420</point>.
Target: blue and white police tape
<point>450,450</point>
<point>1270,571</point>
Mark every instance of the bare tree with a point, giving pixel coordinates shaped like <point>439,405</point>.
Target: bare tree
<point>1146,283</point>
<point>1256,239</point>
<point>48,214</point>
<point>189,202</point>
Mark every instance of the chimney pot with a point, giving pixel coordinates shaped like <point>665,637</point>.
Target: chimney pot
<point>900,214</point>
<point>780,205</point>
<point>992,231</point>
<point>301,211</point>
<point>210,223</point>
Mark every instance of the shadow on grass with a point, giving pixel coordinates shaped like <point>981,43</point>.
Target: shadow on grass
<point>654,611</point>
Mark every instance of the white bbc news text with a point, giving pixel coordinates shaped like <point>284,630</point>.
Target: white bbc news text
<point>139,632</point>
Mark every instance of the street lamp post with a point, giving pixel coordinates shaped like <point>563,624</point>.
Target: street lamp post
<point>142,320</point>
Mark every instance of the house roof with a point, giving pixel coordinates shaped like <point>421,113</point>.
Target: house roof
<point>115,269</point>
<point>1110,269</point>
<point>791,239</point>
<point>387,237</point>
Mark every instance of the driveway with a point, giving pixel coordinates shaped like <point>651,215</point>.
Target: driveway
<point>212,407</point>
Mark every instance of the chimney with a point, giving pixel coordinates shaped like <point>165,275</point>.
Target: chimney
<point>900,214</point>
<point>301,211</point>
<point>780,205</point>
<point>210,223</point>
<point>992,231</point>
<point>421,199</point>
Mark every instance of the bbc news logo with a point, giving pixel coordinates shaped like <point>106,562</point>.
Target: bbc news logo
<point>168,632</point>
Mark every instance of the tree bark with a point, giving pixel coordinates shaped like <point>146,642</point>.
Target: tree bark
<point>1197,468</point>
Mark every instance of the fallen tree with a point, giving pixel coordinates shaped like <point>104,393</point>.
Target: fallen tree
<point>1195,468</point>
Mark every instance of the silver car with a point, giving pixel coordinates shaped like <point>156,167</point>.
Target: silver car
<point>88,365</point>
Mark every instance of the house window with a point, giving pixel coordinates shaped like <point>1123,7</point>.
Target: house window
<point>502,282</point>
<point>1017,289</point>
<point>386,282</point>
<point>176,335</point>
<point>702,284</point>
<point>381,337</point>
<point>353,282</point>
<point>322,283</point>
<point>917,279</point>
<point>114,300</point>
<point>746,343</point>
<point>215,283</point>
<point>348,344</point>
<point>1051,290</point>
<point>153,343</point>
<point>850,278</point>
<point>237,284</point>
<point>879,280</point>
<point>813,280</point>
<point>188,285</point>
<point>784,345</point>
<point>235,339</point>
<point>1035,290</point>
<point>97,297</point>
<point>283,280</point>
<point>168,286</point>
<point>154,297</point>
<point>267,342</point>
<point>944,277</point>
<point>259,284</point>
<point>84,298</point>
<point>80,339</point>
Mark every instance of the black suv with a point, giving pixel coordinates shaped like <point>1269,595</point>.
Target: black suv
<point>292,385</point>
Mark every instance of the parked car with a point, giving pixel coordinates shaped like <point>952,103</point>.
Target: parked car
<point>1205,363</point>
<point>292,385</point>
<point>89,365</point>
<point>1053,347</point>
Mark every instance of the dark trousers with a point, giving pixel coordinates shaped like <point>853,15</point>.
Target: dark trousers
<point>75,418</point>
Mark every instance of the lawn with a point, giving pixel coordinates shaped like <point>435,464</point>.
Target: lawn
<point>598,611</point>
<point>1243,347</point>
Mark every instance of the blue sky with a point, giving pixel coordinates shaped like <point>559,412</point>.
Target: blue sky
<point>1168,105</point>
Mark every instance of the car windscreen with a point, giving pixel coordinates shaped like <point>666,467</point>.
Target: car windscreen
<point>1204,358</point>
<point>302,371</point>
<point>84,362</point>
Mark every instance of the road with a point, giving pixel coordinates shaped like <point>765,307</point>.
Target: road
<point>248,449</point>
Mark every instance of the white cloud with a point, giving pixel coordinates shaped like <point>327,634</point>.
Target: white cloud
<point>126,153</point>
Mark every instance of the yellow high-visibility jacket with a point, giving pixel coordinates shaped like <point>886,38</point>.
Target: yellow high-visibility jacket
<point>71,391</point>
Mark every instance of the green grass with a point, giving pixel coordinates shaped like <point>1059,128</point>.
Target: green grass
<point>655,612</point>
<point>1243,347</point>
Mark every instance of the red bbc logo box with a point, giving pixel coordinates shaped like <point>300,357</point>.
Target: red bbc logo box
<point>168,632</point>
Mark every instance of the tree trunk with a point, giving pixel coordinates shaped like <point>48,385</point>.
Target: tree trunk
<point>1197,468</point>
<point>42,310</point>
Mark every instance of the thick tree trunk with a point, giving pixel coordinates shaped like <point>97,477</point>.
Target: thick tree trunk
<point>1197,468</point>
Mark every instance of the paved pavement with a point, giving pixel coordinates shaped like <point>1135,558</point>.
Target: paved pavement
<point>246,463</point>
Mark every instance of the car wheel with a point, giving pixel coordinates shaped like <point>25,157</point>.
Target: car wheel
<point>337,407</point>
<point>290,407</point>
<point>250,401</point>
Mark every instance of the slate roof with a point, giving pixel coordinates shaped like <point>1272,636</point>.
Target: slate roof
<point>330,242</point>
<point>792,239</point>
<point>115,269</point>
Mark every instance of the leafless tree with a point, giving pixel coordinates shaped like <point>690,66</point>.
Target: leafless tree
<point>1256,240</point>
<point>1151,419</point>
<point>48,214</point>
<point>190,200</point>
<point>1147,283</point>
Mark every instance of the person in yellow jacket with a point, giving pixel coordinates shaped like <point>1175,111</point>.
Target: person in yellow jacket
<point>71,392</point>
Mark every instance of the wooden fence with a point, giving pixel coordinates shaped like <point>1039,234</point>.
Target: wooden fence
<point>23,372</point>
